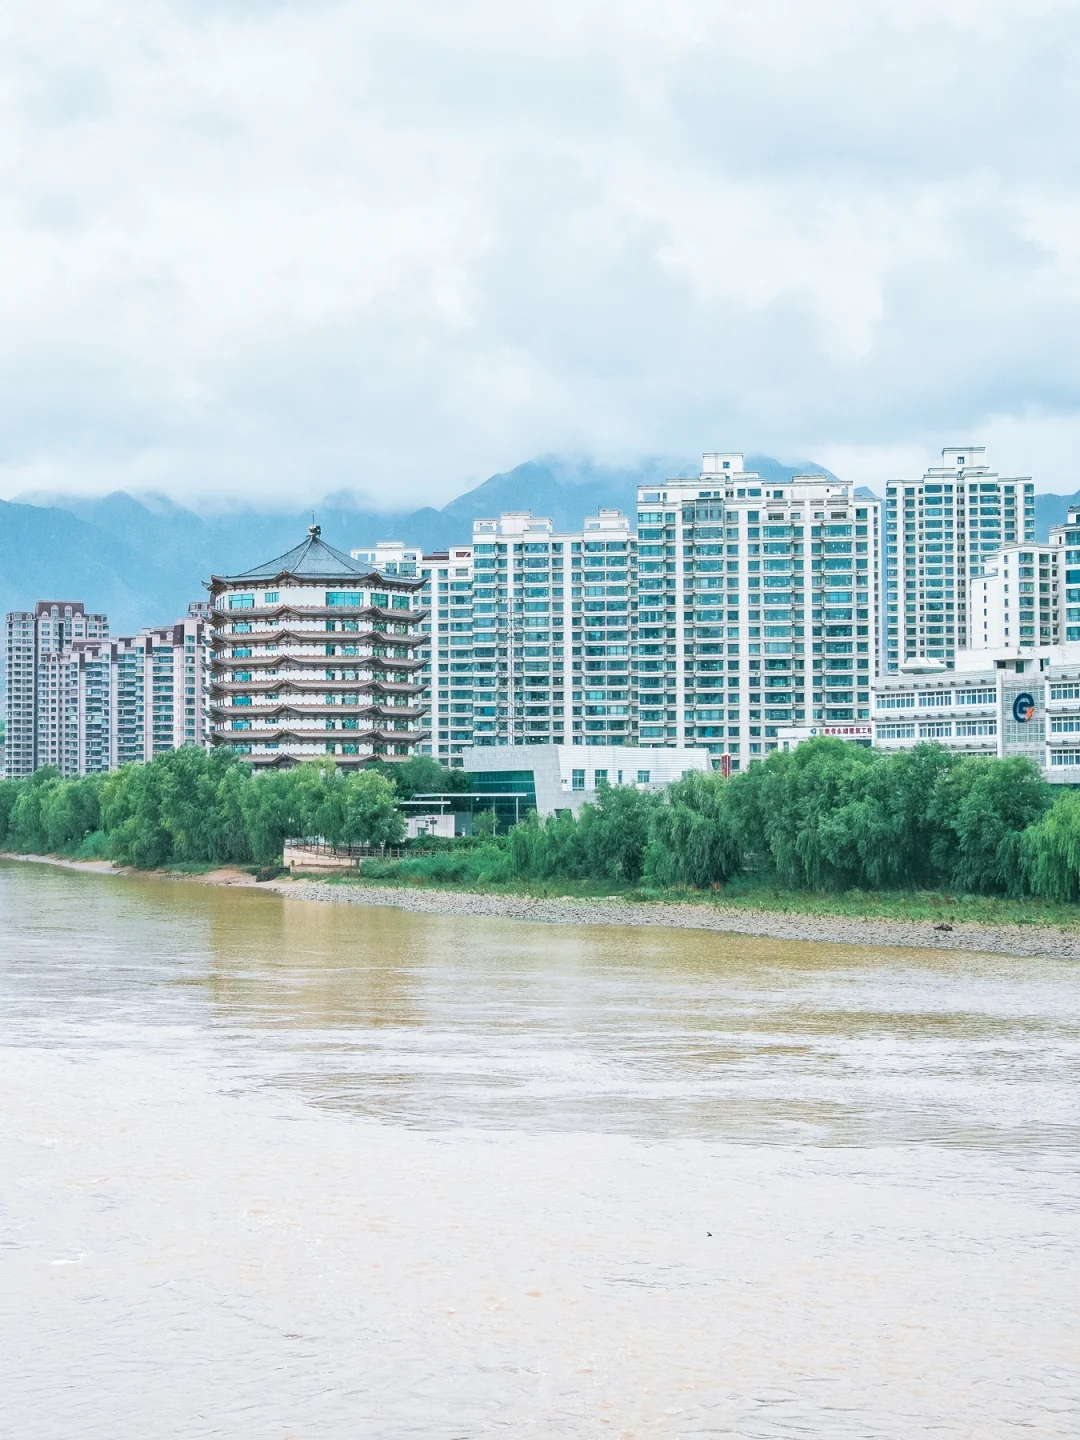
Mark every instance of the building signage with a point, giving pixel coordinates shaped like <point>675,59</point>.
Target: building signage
<point>1023,707</point>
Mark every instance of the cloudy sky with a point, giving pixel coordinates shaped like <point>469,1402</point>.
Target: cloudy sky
<point>259,248</point>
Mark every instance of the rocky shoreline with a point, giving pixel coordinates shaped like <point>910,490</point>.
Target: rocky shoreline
<point>830,929</point>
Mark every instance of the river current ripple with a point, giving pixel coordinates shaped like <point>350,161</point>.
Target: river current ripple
<point>271,1168</point>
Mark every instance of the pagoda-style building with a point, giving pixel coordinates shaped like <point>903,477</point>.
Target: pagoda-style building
<point>315,655</point>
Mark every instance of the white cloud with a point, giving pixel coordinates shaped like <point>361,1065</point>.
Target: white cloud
<point>289,247</point>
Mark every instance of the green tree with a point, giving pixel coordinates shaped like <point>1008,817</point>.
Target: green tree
<point>422,775</point>
<point>10,790</point>
<point>369,810</point>
<point>485,822</point>
<point>131,817</point>
<point>692,839</point>
<point>981,808</point>
<point>1049,852</point>
<point>27,824</point>
<point>71,810</point>
<point>270,811</point>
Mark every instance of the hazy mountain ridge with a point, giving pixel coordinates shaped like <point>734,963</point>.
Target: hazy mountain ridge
<point>142,559</point>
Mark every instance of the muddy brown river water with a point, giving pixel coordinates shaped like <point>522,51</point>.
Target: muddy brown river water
<point>291,1171</point>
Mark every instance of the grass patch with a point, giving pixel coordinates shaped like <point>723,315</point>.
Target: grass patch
<point>939,907</point>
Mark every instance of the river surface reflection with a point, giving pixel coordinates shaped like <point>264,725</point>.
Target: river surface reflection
<point>275,1168</point>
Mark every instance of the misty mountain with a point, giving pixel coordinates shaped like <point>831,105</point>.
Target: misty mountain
<point>141,560</point>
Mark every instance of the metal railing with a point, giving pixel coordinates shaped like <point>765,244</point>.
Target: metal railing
<point>319,848</point>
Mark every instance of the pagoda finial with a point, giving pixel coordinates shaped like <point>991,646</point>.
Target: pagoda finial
<point>314,531</point>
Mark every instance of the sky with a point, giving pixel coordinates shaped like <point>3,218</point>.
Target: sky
<point>261,250</point>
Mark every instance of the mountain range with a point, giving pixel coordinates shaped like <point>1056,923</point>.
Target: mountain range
<point>142,559</point>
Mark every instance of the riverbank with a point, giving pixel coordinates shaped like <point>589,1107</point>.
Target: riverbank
<point>750,915</point>
<point>691,915</point>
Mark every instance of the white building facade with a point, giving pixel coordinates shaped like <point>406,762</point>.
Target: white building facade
<point>1065,550</point>
<point>528,641</point>
<point>758,608</point>
<point>520,778</point>
<point>89,704</point>
<point>1014,602</point>
<point>940,533</point>
<point>37,724</point>
<point>994,702</point>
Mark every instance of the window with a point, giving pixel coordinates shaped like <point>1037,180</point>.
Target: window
<point>577,780</point>
<point>896,732</point>
<point>643,777</point>
<point>344,597</point>
<point>270,598</point>
<point>896,702</point>
<point>241,602</point>
<point>976,727</point>
<point>1065,692</point>
<point>401,602</point>
<point>935,731</point>
<point>978,697</point>
<point>599,778</point>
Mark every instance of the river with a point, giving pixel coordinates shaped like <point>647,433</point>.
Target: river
<point>291,1171</point>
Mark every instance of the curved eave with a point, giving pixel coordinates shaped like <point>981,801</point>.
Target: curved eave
<point>219,583</point>
<point>315,736</point>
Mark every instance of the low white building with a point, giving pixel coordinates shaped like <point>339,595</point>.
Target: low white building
<point>548,778</point>
<point>1003,702</point>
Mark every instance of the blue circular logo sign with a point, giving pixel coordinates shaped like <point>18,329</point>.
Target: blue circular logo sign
<point>1023,707</point>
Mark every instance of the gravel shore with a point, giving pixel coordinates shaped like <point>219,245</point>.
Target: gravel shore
<point>832,929</point>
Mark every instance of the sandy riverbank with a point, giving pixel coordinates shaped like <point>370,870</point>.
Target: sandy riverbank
<point>612,910</point>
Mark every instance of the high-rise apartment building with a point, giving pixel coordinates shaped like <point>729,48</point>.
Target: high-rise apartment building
<point>1065,550</point>
<point>37,732</point>
<point>159,687</point>
<point>757,608</point>
<point>1014,601</point>
<point>529,632</point>
<point>316,655</point>
<point>940,533</point>
<point>87,703</point>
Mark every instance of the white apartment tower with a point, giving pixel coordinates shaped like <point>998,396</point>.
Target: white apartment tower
<point>757,608</point>
<point>1013,603</point>
<point>36,728</point>
<point>940,533</point>
<point>1065,550</point>
<point>529,640</point>
<point>89,703</point>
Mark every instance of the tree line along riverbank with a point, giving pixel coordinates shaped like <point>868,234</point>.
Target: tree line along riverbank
<point>827,819</point>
